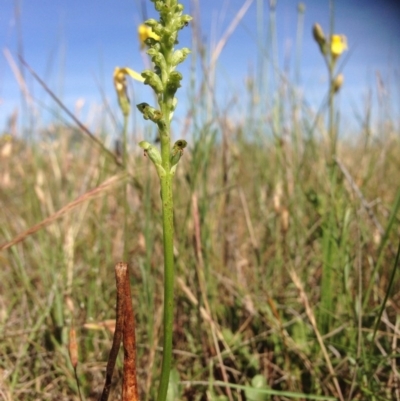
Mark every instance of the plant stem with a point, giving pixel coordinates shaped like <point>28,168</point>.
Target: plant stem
<point>329,234</point>
<point>331,67</point>
<point>168,237</point>
<point>165,81</point>
<point>168,231</point>
<point>331,128</point>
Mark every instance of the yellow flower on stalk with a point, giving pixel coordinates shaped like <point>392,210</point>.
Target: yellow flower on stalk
<point>338,45</point>
<point>120,74</point>
<point>145,32</point>
<point>121,86</point>
<point>120,81</point>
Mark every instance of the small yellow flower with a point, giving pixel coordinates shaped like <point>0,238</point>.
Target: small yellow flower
<point>121,86</point>
<point>338,45</point>
<point>120,80</point>
<point>145,32</point>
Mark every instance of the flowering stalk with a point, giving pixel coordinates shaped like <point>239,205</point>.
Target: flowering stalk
<point>331,50</point>
<point>165,81</point>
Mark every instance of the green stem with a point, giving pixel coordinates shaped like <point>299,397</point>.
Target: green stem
<point>332,62</point>
<point>168,236</point>
<point>165,81</point>
<point>332,131</point>
<point>168,230</point>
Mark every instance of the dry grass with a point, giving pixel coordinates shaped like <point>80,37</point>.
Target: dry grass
<point>248,266</point>
<point>253,204</point>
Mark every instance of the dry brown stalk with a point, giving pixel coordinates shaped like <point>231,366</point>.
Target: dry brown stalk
<point>124,331</point>
<point>106,185</point>
<point>129,385</point>
<point>120,277</point>
<point>73,354</point>
<point>73,347</point>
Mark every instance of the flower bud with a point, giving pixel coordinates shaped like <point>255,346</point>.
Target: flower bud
<point>149,113</point>
<point>152,43</point>
<point>337,83</point>
<point>152,79</point>
<point>178,9</point>
<point>159,5</point>
<point>154,155</point>
<point>318,34</point>
<point>151,151</point>
<point>176,153</point>
<point>151,22</point>
<point>183,21</point>
<point>156,27</point>
<point>157,58</point>
<point>174,81</point>
<point>179,56</point>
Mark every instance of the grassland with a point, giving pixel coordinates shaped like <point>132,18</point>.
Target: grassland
<point>250,217</point>
<point>284,259</point>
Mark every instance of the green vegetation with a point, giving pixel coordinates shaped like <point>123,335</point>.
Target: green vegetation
<point>259,221</point>
<point>165,81</point>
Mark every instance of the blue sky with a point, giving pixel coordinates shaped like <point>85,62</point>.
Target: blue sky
<point>74,46</point>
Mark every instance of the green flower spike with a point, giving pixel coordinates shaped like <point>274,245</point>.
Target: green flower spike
<point>165,81</point>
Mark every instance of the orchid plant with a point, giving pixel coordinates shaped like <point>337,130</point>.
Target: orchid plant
<point>160,38</point>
